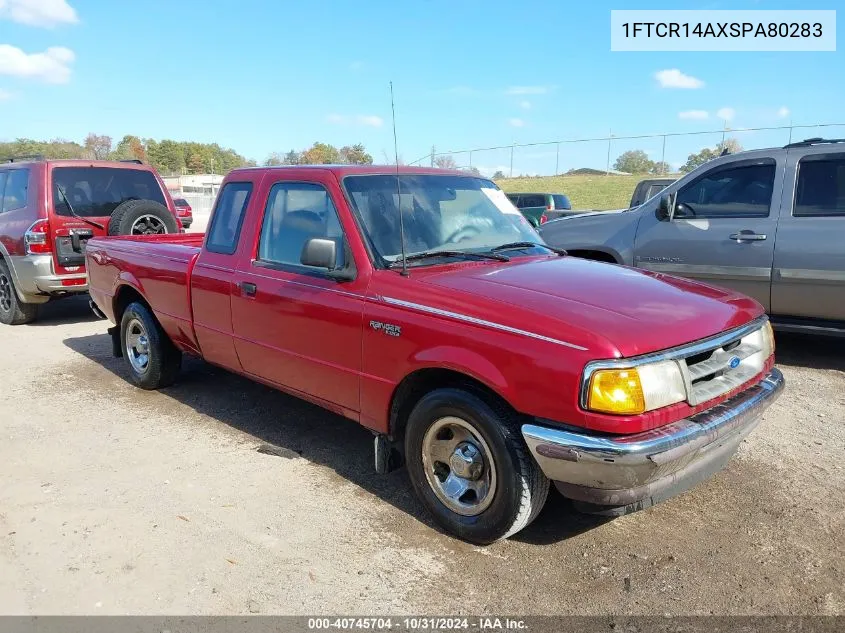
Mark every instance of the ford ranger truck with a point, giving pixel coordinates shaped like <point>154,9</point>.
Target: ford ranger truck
<point>422,305</point>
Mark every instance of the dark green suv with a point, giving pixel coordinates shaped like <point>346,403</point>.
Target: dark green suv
<point>538,208</point>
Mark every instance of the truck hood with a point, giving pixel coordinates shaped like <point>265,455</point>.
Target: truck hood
<point>580,301</point>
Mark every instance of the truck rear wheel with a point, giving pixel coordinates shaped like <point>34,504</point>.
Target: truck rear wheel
<point>470,467</point>
<point>141,217</point>
<point>12,310</point>
<point>151,357</point>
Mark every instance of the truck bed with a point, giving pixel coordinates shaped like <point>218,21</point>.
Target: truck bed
<point>158,267</point>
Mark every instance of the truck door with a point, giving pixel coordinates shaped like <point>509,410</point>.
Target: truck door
<point>296,326</point>
<point>809,266</point>
<point>213,275</point>
<point>723,228</point>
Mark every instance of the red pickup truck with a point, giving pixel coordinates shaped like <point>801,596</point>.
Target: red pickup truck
<point>422,305</point>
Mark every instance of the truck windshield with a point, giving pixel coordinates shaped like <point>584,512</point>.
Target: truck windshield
<point>96,191</point>
<point>455,213</point>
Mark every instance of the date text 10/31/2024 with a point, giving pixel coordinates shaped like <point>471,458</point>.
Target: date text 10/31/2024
<point>418,624</point>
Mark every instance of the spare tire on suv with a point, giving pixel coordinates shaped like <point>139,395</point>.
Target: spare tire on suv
<point>141,217</point>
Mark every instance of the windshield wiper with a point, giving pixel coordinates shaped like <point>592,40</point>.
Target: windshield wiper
<point>514,245</point>
<point>75,214</point>
<point>463,254</point>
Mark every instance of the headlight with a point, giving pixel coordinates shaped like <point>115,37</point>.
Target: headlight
<point>764,341</point>
<point>636,390</point>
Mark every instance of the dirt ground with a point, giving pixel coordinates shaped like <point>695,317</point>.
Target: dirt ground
<point>114,500</point>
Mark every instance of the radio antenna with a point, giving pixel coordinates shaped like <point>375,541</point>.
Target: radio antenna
<point>405,272</point>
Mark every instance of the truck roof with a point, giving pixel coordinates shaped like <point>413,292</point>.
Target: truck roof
<point>360,170</point>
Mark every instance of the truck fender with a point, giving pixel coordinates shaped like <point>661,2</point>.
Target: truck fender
<point>465,362</point>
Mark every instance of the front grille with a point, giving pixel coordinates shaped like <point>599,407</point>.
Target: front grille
<point>716,371</point>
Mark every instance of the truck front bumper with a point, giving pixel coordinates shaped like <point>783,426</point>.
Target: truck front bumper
<point>623,473</point>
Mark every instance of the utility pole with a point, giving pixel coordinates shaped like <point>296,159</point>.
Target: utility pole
<point>557,160</point>
<point>511,172</point>
<point>609,138</point>
<point>663,157</point>
<point>433,151</point>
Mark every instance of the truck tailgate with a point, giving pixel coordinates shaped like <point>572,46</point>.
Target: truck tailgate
<point>157,267</point>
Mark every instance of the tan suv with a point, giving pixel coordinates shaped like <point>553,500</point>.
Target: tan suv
<point>48,211</point>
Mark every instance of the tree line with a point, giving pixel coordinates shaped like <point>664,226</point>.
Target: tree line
<point>178,157</point>
<point>636,161</point>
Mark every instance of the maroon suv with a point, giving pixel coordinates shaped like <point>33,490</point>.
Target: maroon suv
<point>49,209</point>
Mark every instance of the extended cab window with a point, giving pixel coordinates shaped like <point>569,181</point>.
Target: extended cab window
<point>821,187</point>
<point>743,191</point>
<point>17,184</point>
<point>97,191</point>
<point>297,212</point>
<point>227,218</point>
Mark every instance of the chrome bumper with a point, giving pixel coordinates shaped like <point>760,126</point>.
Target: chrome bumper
<point>635,471</point>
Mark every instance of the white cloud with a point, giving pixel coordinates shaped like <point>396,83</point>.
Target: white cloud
<point>51,66</point>
<point>525,105</point>
<point>44,13</point>
<point>528,90</point>
<point>516,122</point>
<point>366,120</point>
<point>783,112</point>
<point>674,78</point>
<point>726,114</point>
<point>694,115</point>
<point>5,95</point>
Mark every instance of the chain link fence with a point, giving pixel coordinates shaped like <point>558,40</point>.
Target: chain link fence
<point>669,151</point>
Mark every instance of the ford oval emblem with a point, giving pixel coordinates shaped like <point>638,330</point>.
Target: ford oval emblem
<point>734,362</point>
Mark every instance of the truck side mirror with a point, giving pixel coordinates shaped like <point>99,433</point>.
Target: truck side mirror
<point>322,253</point>
<point>666,208</point>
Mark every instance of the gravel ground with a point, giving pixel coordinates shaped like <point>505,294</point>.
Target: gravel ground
<point>114,500</point>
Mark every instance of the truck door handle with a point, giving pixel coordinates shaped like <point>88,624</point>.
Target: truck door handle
<point>247,288</point>
<point>748,236</point>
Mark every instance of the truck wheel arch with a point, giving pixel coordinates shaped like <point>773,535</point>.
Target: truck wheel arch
<point>422,381</point>
<point>123,296</point>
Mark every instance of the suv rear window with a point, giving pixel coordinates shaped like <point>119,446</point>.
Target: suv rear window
<point>15,193</point>
<point>532,201</point>
<point>97,191</point>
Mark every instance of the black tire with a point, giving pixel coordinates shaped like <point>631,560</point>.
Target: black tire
<point>13,311</point>
<point>141,217</point>
<point>521,487</point>
<point>163,361</point>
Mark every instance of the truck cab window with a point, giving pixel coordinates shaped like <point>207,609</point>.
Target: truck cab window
<point>295,213</point>
<point>821,188</point>
<point>743,191</point>
<point>227,218</point>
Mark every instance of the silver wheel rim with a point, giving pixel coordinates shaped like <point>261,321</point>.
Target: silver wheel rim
<point>148,225</point>
<point>459,466</point>
<point>137,346</point>
<point>5,293</point>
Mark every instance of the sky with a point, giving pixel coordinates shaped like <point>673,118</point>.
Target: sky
<point>270,76</point>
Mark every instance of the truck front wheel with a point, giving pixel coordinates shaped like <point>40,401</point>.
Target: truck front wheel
<point>151,357</point>
<point>470,467</point>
